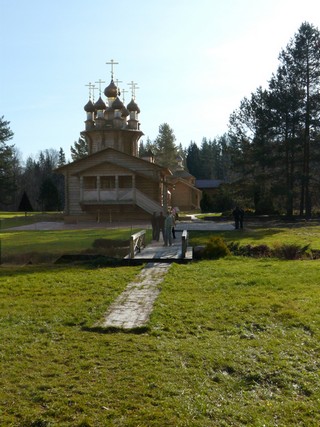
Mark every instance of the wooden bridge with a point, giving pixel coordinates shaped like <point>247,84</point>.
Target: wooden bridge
<point>179,251</point>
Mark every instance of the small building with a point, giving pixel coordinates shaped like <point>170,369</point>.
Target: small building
<point>209,186</point>
<point>184,194</point>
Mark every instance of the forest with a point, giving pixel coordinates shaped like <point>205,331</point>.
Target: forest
<point>268,158</point>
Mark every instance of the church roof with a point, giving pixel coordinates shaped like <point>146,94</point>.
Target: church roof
<point>100,105</point>
<point>89,107</point>
<point>208,183</point>
<point>182,173</point>
<point>132,106</point>
<point>112,156</point>
<point>117,104</point>
<point>111,91</point>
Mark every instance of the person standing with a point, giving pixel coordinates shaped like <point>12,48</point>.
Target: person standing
<point>168,229</point>
<point>154,226</point>
<point>238,215</point>
<point>160,227</point>
<point>173,213</point>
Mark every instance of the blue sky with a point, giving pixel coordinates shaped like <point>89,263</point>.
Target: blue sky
<point>193,61</point>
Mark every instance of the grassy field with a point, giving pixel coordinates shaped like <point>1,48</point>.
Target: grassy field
<point>44,246</point>
<point>232,342</point>
<point>16,219</point>
<point>302,233</point>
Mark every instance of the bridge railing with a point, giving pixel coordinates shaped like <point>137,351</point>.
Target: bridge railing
<point>184,243</point>
<point>137,242</point>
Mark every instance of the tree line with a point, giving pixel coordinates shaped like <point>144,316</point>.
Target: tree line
<point>33,185</point>
<point>268,159</point>
<point>274,135</point>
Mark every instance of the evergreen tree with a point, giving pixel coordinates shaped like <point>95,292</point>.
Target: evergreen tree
<point>251,149</point>
<point>49,195</point>
<point>39,171</point>
<point>62,157</point>
<point>275,134</point>
<point>7,162</point>
<point>80,149</point>
<point>165,149</point>
<point>301,62</point>
<point>25,205</point>
<point>193,160</point>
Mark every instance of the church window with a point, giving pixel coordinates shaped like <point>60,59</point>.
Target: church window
<point>125,181</point>
<point>90,182</point>
<point>107,182</point>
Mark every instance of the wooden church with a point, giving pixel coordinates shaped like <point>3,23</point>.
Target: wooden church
<point>112,183</point>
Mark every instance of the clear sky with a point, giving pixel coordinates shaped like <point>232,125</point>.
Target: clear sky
<point>193,61</point>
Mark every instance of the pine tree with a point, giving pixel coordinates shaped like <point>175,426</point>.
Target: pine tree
<point>165,149</point>
<point>301,62</point>
<point>62,157</point>
<point>80,149</point>
<point>25,205</point>
<point>7,162</point>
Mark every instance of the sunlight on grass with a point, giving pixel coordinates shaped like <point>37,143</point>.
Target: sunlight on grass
<point>50,244</point>
<point>230,342</point>
<point>302,235</point>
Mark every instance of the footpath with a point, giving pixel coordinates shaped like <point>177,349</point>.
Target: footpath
<point>132,309</point>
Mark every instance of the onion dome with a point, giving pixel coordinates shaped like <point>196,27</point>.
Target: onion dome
<point>117,104</point>
<point>124,112</point>
<point>132,106</point>
<point>111,91</point>
<point>89,107</point>
<point>100,105</point>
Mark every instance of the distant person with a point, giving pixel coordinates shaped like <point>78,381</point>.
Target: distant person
<point>160,227</point>
<point>154,224</point>
<point>173,213</point>
<point>238,215</point>
<point>168,224</point>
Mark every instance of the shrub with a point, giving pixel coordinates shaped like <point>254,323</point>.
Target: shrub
<point>290,251</point>
<point>216,248</point>
<point>259,251</point>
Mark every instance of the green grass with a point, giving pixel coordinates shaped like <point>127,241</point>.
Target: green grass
<point>46,246</point>
<point>17,219</point>
<point>302,234</point>
<point>233,342</point>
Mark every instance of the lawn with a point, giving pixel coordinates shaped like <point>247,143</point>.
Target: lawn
<point>302,233</point>
<point>46,246</point>
<point>233,342</point>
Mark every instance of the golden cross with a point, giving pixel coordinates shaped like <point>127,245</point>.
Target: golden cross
<point>100,81</point>
<point>112,63</point>
<point>91,88</point>
<point>134,86</point>
<point>123,91</point>
<point>117,84</point>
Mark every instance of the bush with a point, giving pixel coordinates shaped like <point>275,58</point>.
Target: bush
<point>282,251</point>
<point>290,251</point>
<point>215,248</point>
<point>259,251</point>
